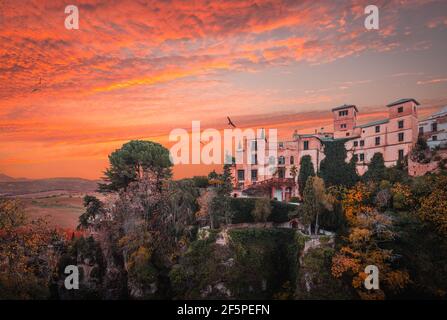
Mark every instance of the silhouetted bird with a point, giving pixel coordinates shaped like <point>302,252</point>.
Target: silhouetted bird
<point>231,122</point>
<point>39,85</point>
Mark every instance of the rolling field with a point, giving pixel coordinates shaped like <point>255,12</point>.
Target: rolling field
<point>60,200</point>
<point>61,210</point>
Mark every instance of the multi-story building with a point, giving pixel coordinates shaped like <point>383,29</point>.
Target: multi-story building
<point>434,129</point>
<point>394,137</point>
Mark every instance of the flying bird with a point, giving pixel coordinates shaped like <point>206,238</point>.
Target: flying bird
<point>231,122</point>
<point>39,85</point>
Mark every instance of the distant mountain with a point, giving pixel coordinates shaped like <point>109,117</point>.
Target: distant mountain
<point>5,178</point>
<point>12,186</point>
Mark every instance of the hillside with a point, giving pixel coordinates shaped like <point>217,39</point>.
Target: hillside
<point>5,178</point>
<point>14,187</point>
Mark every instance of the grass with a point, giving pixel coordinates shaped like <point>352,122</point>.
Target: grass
<point>62,211</point>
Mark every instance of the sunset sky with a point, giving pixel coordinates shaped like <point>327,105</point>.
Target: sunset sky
<point>137,70</point>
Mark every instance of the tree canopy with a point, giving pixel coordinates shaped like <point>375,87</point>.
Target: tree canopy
<point>333,168</point>
<point>316,200</point>
<point>306,171</point>
<point>134,160</point>
<point>376,168</point>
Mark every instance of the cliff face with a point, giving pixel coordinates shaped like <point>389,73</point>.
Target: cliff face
<point>239,264</point>
<point>315,280</point>
<point>244,263</point>
<point>87,256</point>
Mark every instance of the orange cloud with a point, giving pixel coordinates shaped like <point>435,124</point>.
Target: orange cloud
<point>138,69</point>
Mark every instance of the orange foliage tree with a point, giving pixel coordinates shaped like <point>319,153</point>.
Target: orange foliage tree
<point>433,208</point>
<point>26,255</point>
<point>368,231</point>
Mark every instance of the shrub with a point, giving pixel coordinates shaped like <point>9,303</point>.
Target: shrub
<point>280,211</point>
<point>242,208</point>
<point>262,210</point>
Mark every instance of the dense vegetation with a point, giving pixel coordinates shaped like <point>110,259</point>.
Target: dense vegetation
<point>257,264</point>
<point>334,169</point>
<point>156,238</point>
<point>243,208</point>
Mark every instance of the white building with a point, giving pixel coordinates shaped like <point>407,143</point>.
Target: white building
<point>434,129</point>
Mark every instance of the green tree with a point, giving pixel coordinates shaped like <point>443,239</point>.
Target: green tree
<point>200,181</point>
<point>133,161</point>
<point>226,177</point>
<point>306,171</point>
<point>333,168</point>
<point>316,200</point>
<point>220,210</point>
<point>181,205</point>
<point>213,175</point>
<point>419,151</point>
<point>93,209</point>
<point>376,169</point>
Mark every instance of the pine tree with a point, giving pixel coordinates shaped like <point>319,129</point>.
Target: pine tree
<point>306,171</point>
<point>376,169</point>
<point>334,169</point>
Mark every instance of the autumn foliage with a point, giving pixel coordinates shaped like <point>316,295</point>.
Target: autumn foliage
<point>369,231</point>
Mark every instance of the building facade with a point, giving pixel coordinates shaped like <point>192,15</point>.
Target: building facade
<point>393,136</point>
<point>434,129</point>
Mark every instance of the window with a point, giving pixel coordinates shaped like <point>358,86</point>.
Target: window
<point>241,175</point>
<point>377,128</point>
<point>356,157</point>
<point>281,160</point>
<point>400,109</point>
<point>292,160</point>
<point>362,157</point>
<point>343,126</point>
<point>281,173</point>
<point>434,127</point>
<point>400,124</point>
<point>401,154</point>
<point>254,145</point>
<point>254,175</point>
<point>377,141</point>
<point>421,130</point>
<point>281,144</point>
<point>306,145</point>
<point>401,136</point>
<point>362,143</point>
<point>347,134</point>
<point>254,159</point>
<point>356,143</point>
<point>434,138</point>
<point>343,113</point>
